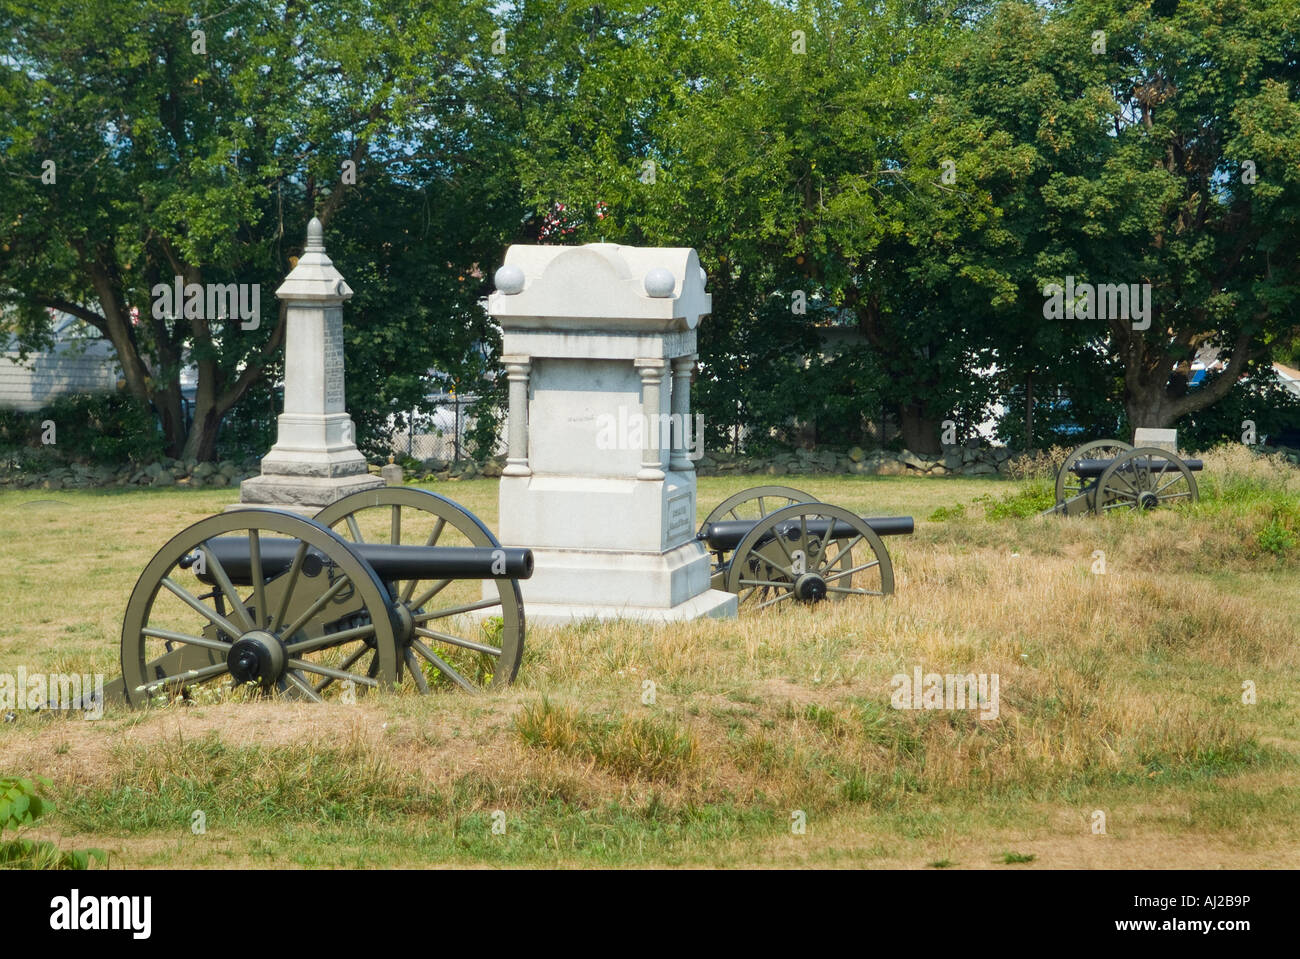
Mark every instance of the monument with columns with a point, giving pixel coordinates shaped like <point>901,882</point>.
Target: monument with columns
<point>315,460</point>
<point>599,346</point>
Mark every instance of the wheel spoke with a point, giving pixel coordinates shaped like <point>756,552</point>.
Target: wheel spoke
<point>1173,480</point>
<point>853,592</point>
<point>189,676</point>
<point>211,615</point>
<point>317,605</point>
<point>329,639</point>
<point>310,667</point>
<point>301,685</point>
<point>457,610</point>
<point>186,638</point>
<point>295,568</point>
<point>772,602</point>
<point>354,529</point>
<point>227,588</point>
<point>456,641</point>
<point>395,536</point>
<point>347,664</point>
<point>417,671</point>
<point>446,670</point>
<point>409,588</point>
<point>847,550</point>
<point>259,582</point>
<point>850,572</point>
<point>429,593</point>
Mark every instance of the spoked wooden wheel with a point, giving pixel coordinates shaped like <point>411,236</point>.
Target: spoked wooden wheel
<point>806,553</point>
<point>1069,485</point>
<point>258,599</point>
<point>1145,478</point>
<point>461,633</point>
<point>751,504</point>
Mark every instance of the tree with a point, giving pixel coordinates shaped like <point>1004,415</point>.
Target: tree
<point>768,138</point>
<point>195,140</point>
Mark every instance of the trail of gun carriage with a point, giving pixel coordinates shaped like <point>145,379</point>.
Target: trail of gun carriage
<point>743,488</point>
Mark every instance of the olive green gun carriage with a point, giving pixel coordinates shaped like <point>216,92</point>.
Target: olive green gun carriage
<point>774,543</point>
<point>383,587</point>
<point>1106,476</point>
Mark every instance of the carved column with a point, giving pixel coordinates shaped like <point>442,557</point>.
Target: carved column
<point>652,457</point>
<point>517,368</point>
<point>681,403</point>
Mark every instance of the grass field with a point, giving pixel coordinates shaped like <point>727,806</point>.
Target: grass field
<point>1120,693</point>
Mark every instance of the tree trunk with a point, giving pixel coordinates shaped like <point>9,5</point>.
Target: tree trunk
<point>920,430</point>
<point>1029,412</point>
<point>201,444</point>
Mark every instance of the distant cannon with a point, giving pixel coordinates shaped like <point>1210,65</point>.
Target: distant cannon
<point>380,586</point>
<point>799,549</point>
<point>1119,477</point>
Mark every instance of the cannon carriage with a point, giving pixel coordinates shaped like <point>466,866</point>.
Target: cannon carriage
<point>1106,476</point>
<point>776,543</point>
<point>383,587</point>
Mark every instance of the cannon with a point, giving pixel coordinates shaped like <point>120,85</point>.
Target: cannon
<point>383,587</point>
<point>775,543</point>
<point>1110,475</point>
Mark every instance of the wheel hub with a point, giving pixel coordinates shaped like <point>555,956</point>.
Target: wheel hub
<point>1148,500</point>
<point>257,657</point>
<point>403,623</point>
<point>809,588</point>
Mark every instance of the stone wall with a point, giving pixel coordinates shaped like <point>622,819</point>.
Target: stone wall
<point>969,460</point>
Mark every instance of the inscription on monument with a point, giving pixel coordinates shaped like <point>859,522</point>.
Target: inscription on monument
<point>334,363</point>
<point>679,517</point>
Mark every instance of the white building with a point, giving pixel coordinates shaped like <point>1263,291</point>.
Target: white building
<point>78,363</point>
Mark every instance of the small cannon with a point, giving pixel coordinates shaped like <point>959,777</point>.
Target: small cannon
<point>799,549</point>
<point>1108,475</point>
<point>381,586</point>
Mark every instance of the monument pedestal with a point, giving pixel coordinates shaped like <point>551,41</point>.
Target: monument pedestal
<point>658,573</point>
<point>599,343</point>
<point>315,460</point>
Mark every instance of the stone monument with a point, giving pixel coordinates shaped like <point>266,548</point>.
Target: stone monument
<point>1162,439</point>
<point>599,345</point>
<point>315,460</point>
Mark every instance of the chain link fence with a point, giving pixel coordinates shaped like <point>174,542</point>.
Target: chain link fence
<point>438,430</point>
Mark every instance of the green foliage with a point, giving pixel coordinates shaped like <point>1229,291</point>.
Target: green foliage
<point>945,513</point>
<point>107,429</point>
<point>20,806</point>
<point>1277,537</point>
<point>1016,858</point>
<point>1029,500</point>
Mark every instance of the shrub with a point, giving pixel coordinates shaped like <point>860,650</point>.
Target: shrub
<point>99,428</point>
<point>20,806</point>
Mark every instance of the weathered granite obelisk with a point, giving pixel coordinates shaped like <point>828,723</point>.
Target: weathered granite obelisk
<point>315,460</point>
<point>595,338</point>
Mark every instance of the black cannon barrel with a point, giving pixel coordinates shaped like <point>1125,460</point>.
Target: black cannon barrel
<point>728,534</point>
<point>389,562</point>
<point>1089,469</point>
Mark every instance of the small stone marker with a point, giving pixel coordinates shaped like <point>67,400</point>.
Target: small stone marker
<point>392,474</point>
<point>315,460</point>
<point>1161,439</point>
